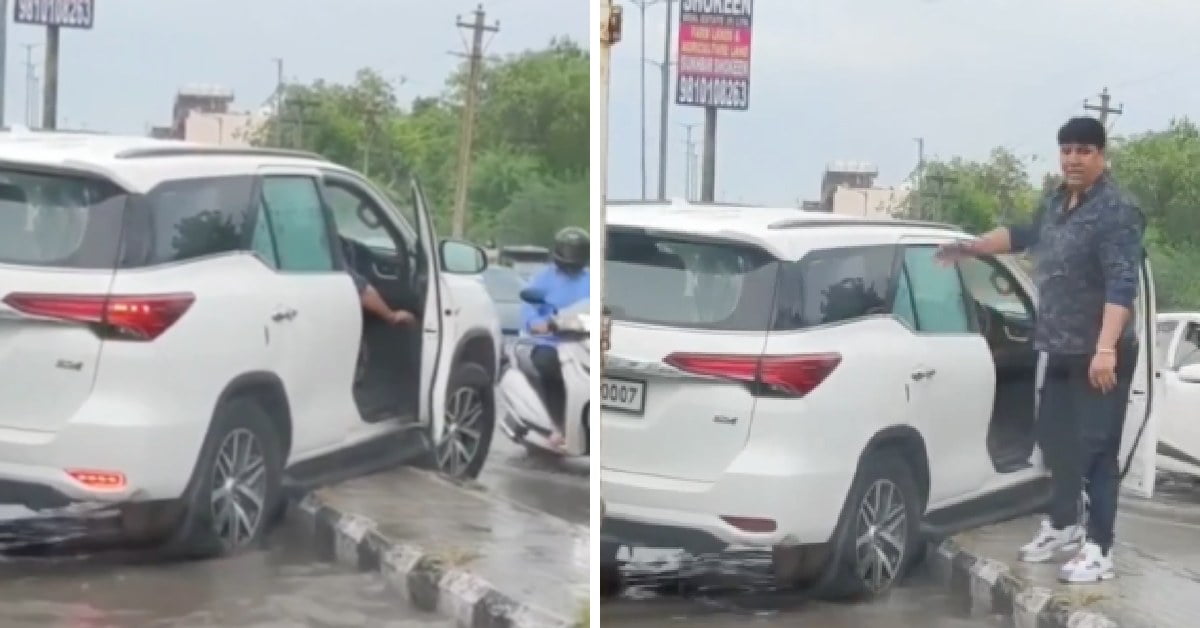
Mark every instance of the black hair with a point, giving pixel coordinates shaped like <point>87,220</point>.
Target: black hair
<point>1082,130</point>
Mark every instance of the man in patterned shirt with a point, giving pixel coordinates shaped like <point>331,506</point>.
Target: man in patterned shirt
<point>1086,244</point>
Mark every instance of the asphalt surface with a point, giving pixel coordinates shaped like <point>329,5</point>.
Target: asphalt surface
<point>284,586</point>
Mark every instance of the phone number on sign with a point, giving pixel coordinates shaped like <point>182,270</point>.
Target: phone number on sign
<point>710,91</point>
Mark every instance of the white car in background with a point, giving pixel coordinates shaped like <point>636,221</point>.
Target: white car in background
<point>180,339</point>
<point>1177,404</point>
<point>819,386</point>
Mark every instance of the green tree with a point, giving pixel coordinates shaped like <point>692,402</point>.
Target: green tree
<point>976,196</point>
<point>531,139</point>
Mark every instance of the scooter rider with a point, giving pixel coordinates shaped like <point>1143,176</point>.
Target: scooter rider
<point>563,283</point>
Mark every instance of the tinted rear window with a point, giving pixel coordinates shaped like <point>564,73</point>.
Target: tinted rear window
<point>682,282</point>
<point>185,219</point>
<point>834,285</point>
<point>59,221</point>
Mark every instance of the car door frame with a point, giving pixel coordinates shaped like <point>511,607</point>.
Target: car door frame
<point>340,417</point>
<point>969,480</point>
<point>1139,472</point>
<point>434,378</point>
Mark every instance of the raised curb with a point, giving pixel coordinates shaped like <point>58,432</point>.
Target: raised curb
<point>987,587</point>
<point>417,577</point>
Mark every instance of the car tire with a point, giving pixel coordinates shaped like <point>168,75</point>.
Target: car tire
<point>470,387</point>
<point>242,442</point>
<point>881,519</point>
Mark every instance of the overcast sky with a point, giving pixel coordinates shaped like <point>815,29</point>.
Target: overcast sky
<point>859,79</point>
<point>122,76</point>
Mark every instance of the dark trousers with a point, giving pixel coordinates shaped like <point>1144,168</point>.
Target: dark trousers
<point>1079,431</point>
<point>545,358</point>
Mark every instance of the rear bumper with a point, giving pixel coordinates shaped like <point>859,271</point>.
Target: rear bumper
<point>653,511</point>
<point>155,454</point>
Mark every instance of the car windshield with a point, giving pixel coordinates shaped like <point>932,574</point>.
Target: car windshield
<point>503,284</point>
<point>59,221</point>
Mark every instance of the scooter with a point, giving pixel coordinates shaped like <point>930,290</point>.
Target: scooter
<point>524,416</point>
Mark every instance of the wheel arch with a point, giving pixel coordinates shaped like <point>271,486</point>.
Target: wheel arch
<point>908,442</point>
<point>266,388</point>
<point>478,346</point>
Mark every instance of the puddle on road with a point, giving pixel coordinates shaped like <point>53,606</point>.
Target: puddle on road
<point>737,587</point>
<point>284,586</point>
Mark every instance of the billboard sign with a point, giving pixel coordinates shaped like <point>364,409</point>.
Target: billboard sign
<point>714,53</point>
<point>64,13</point>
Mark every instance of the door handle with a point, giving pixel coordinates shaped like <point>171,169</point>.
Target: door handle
<point>923,374</point>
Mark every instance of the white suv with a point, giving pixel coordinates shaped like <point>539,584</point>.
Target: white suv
<point>178,328</point>
<point>817,385</point>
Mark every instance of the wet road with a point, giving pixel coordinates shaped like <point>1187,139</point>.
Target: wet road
<point>920,602</point>
<point>284,586</point>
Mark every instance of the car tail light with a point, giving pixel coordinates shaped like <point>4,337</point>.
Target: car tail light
<point>141,317</point>
<point>793,375</point>
<point>102,480</point>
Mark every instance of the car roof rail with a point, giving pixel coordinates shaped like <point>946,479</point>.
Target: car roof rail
<point>796,223</point>
<point>145,152</point>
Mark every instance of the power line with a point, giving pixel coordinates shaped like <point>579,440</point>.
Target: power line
<point>1103,108</point>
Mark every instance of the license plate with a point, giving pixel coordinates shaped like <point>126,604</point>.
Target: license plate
<point>623,394</point>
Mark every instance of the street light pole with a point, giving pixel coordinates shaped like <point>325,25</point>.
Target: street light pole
<point>664,105</point>
<point>3,56</point>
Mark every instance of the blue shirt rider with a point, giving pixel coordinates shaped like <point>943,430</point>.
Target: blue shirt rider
<point>564,283</point>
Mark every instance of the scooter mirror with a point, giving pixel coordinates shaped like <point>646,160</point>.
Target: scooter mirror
<point>533,296</point>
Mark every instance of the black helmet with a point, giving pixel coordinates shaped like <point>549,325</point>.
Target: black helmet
<point>572,247</point>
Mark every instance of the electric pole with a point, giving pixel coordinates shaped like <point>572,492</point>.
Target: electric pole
<point>475,63</point>
<point>941,180</point>
<point>50,97</point>
<point>279,88</point>
<point>1103,108</point>
<point>641,4</point>
<point>664,106</point>
<point>31,86</point>
<point>3,56</point>
<point>689,181</point>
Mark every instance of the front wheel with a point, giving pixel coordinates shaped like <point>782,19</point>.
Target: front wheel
<point>470,420</point>
<point>879,529</point>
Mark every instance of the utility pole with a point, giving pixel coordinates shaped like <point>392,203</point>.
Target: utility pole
<point>708,175</point>
<point>689,181</point>
<point>664,105</point>
<point>920,174</point>
<point>3,56</point>
<point>641,4</point>
<point>1103,108</point>
<point>50,97</point>
<point>31,86</point>
<point>279,88</point>
<point>475,63</point>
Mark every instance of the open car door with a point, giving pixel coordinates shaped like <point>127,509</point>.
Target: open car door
<point>1139,441</point>
<point>435,372</point>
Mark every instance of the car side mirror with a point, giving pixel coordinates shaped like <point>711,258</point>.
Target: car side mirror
<point>462,258</point>
<point>1190,373</point>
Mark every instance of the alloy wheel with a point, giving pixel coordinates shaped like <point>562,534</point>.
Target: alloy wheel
<point>461,434</point>
<point>881,535</point>
<point>239,487</point>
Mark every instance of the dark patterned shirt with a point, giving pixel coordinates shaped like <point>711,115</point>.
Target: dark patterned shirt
<point>1083,258</point>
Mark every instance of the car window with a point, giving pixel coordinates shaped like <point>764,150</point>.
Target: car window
<point>1164,332</point>
<point>1189,347</point>
<point>993,287</point>
<point>262,243</point>
<point>834,285</point>
<point>297,220</point>
<point>503,284</point>
<point>346,199</point>
<point>677,281</point>
<point>937,292</point>
<point>59,221</point>
<point>190,218</point>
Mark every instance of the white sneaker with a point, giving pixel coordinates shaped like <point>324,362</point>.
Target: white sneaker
<point>1049,541</point>
<point>1089,565</point>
